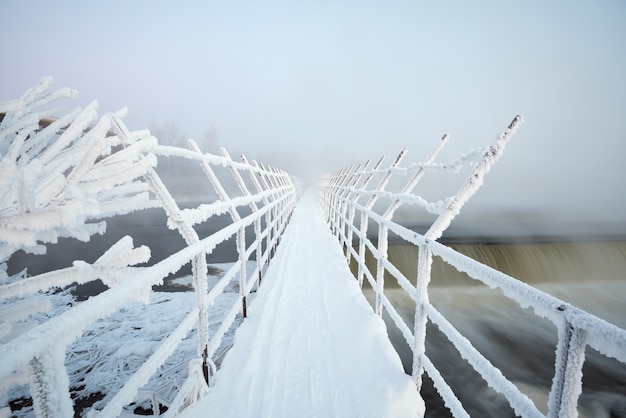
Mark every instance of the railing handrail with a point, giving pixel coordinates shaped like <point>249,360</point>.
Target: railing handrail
<point>17,354</point>
<point>40,351</point>
<point>544,304</point>
<point>575,327</point>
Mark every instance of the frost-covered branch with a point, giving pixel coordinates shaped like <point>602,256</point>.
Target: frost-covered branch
<point>62,178</point>
<point>56,180</point>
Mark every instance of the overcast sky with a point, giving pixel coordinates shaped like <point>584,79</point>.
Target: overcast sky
<point>312,86</point>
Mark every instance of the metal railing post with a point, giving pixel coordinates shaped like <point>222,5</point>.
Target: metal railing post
<point>119,177</point>
<point>576,328</point>
<point>383,236</point>
<point>354,197</point>
<point>566,384</point>
<point>272,215</point>
<point>49,384</point>
<point>383,245</point>
<point>410,185</point>
<point>269,218</point>
<point>348,195</point>
<point>473,183</point>
<point>241,249</point>
<point>334,186</point>
<point>338,204</point>
<point>257,223</point>
<point>361,265</point>
<point>241,236</point>
<point>363,228</point>
<point>424,265</point>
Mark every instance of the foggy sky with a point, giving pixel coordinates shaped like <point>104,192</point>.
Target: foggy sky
<point>314,86</point>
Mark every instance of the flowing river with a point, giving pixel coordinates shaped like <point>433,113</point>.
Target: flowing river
<point>588,274</point>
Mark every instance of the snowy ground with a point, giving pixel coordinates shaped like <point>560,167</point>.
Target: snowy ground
<point>311,345</point>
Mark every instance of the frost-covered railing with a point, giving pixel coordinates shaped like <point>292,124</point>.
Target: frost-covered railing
<point>351,203</point>
<point>55,181</point>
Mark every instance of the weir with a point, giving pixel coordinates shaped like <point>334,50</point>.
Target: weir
<point>350,196</point>
<point>308,343</point>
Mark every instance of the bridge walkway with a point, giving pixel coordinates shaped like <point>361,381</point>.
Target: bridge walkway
<point>311,345</point>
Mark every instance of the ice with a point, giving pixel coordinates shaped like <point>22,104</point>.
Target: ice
<point>66,174</point>
<point>489,157</point>
<point>54,183</point>
<point>310,323</point>
<point>119,256</point>
<point>62,181</point>
<point>404,199</point>
<point>23,309</point>
<point>112,348</point>
<point>49,384</point>
<point>127,393</point>
<point>343,194</point>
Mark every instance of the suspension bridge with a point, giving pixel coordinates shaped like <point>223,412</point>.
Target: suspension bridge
<point>309,343</point>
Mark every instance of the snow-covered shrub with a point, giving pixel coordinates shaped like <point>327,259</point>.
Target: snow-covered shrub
<point>60,177</point>
<point>57,180</point>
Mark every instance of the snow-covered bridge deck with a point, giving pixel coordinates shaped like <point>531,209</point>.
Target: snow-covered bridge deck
<point>311,345</point>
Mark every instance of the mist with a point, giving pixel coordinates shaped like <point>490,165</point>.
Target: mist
<point>313,87</point>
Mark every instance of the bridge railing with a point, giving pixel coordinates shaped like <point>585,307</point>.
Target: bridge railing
<point>56,180</point>
<point>351,203</point>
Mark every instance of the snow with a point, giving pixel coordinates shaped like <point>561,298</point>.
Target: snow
<point>126,395</point>
<point>567,383</point>
<point>113,348</point>
<point>54,182</point>
<point>577,329</point>
<point>49,384</point>
<point>603,336</point>
<point>403,198</point>
<point>55,179</point>
<point>205,211</point>
<point>520,403</point>
<point>311,345</point>
<point>111,267</point>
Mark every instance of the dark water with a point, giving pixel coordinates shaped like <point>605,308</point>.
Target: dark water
<point>147,227</point>
<point>591,275</point>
